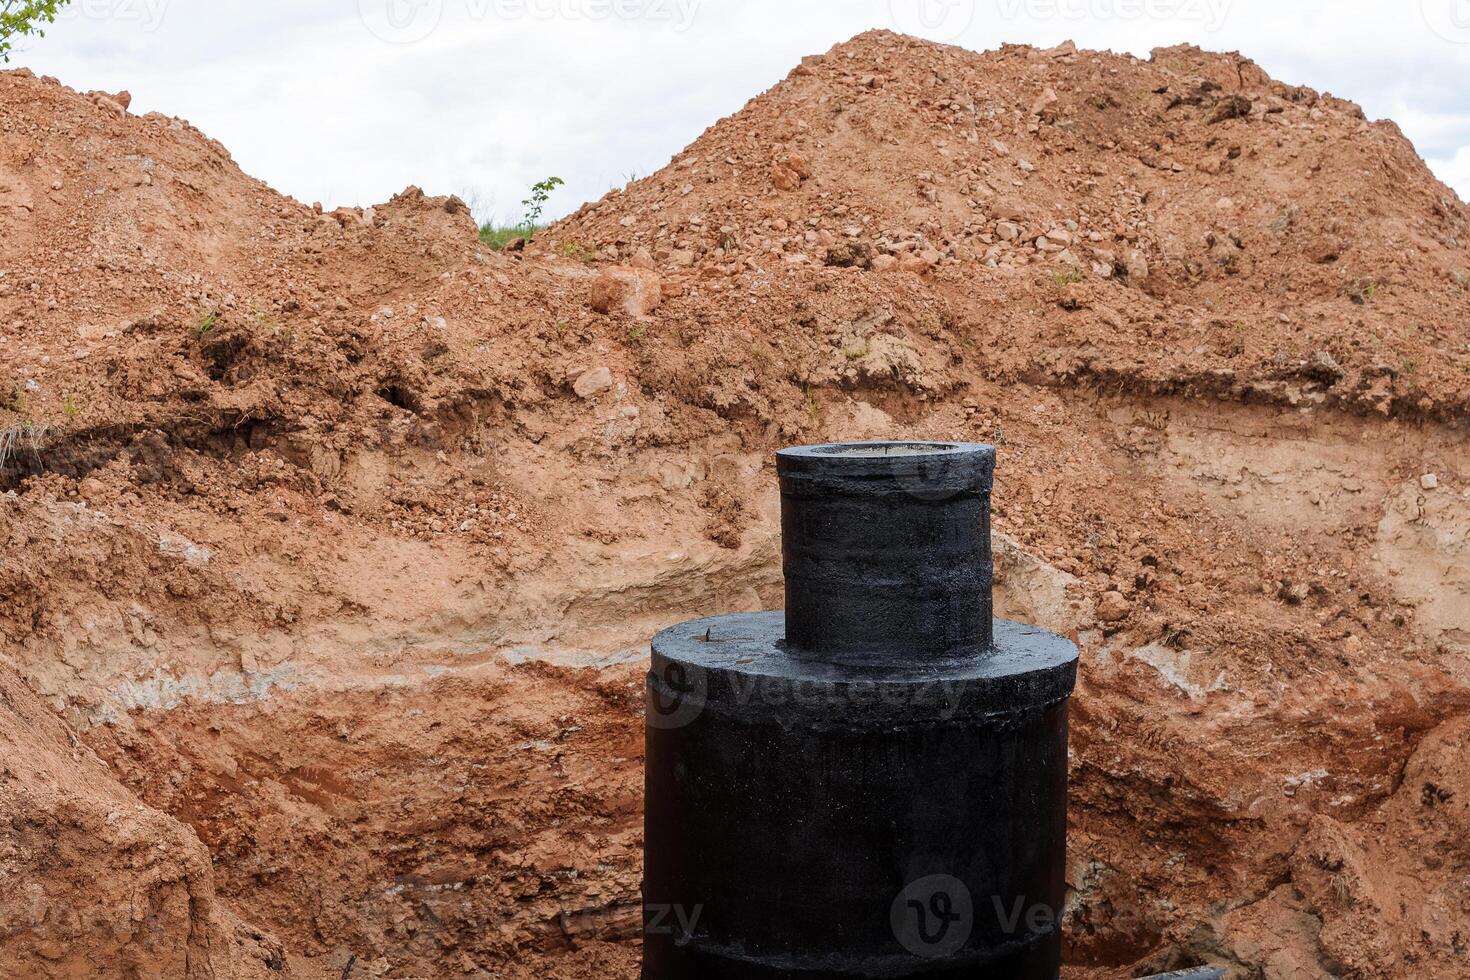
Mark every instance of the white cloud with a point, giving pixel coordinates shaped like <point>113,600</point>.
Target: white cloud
<point>493,95</point>
<point>1454,171</point>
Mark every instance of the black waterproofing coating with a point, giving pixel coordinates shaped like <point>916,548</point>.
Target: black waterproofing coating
<point>872,784</point>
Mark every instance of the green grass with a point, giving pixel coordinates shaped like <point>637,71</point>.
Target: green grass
<point>497,237</point>
<point>575,252</point>
<point>1362,291</point>
<point>813,407</point>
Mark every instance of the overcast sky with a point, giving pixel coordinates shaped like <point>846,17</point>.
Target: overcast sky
<point>348,101</point>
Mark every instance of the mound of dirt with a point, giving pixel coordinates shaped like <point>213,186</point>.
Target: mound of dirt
<point>333,540</point>
<point>96,883</point>
<point>1184,225</point>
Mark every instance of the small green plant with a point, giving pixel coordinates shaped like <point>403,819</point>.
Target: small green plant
<point>208,320</point>
<point>1409,368</point>
<point>69,407</point>
<point>1066,277</point>
<point>497,237</point>
<point>1362,291</point>
<point>536,203</point>
<point>16,402</point>
<point>636,332</point>
<point>574,251</point>
<point>813,407</point>
<point>24,18</point>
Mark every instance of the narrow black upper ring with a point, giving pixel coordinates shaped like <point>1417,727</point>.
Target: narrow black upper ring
<point>958,465</point>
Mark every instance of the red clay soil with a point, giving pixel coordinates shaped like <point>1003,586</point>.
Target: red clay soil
<point>333,540</point>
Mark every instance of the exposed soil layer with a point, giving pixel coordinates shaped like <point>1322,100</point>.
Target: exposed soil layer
<point>333,541</point>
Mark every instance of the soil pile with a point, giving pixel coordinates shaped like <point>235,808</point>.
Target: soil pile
<point>333,539</point>
<point>1209,231</point>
